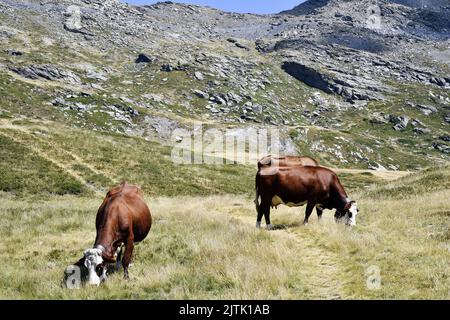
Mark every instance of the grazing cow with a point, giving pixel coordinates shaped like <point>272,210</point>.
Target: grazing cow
<point>122,219</point>
<point>283,161</point>
<point>286,161</point>
<point>298,185</point>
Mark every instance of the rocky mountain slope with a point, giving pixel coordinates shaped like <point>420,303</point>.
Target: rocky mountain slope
<point>353,83</point>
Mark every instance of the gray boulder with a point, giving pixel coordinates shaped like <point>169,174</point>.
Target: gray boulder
<point>169,68</point>
<point>419,130</point>
<point>218,100</point>
<point>439,81</point>
<point>241,46</point>
<point>47,72</point>
<point>441,147</point>
<point>447,118</point>
<point>198,75</point>
<point>15,53</point>
<point>144,58</point>
<point>417,123</point>
<point>256,108</point>
<point>427,110</point>
<point>73,21</point>
<point>201,94</point>
<point>400,122</point>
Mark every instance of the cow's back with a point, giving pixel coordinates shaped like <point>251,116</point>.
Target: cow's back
<point>125,206</point>
<point>295,183</point>
<point>308,161</point>
<point>286,161</point>
<point>133,202</point>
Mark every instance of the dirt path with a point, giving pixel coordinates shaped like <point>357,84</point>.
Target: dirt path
<point>66,166</point>
<point>324,273</point>
<point>385,174</point>
<point>58,149</point>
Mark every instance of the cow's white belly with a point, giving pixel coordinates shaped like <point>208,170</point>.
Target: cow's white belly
<point>276,201</point>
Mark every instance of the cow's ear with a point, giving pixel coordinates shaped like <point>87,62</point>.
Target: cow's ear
<point>87,263</point>
<point>347,206</point>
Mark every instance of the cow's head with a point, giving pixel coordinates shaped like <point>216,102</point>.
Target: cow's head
<point>348,214</point>
<point>93,261</point>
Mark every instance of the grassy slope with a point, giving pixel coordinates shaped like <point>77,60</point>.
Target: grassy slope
<point>206,246</point>
<point>101,160</point>
<point>21,171</point>
<point>98,160</point>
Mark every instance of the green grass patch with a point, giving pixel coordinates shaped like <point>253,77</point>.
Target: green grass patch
<point>24,173</point>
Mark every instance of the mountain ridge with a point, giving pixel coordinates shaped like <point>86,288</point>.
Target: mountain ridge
<point>147,70</point>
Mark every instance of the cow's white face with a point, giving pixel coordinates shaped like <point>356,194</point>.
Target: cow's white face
<point>351,215</point>
<point>92,258</point>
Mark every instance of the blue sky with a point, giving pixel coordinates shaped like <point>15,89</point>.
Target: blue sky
<point>242,6</point>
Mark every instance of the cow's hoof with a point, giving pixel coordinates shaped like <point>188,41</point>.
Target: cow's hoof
<point>258,225</point>
<point>269,227</point>
<point>305,223</point>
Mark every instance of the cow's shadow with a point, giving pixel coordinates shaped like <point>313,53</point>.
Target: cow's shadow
<point>284,226</point>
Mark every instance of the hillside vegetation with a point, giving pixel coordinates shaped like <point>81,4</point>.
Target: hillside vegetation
<point>84,162</point>
<point>206,246</point>
<point>335,88</point>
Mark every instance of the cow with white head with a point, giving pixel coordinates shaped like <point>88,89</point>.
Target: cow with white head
<point>317,187</point>
<point>348,214</point>
<point>91,269</point>
<point>122,220</point>
<point>93,261</point>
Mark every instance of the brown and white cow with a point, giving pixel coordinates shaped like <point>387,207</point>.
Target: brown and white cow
<point>294,186</point>
<point>283,161</point>
<point>122,219</point>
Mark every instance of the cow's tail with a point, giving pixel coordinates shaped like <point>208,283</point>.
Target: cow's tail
<point>257,194</point>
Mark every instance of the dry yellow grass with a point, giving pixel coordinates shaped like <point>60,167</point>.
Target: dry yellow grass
<point>199,248</point>
<point>386,175</point>
<point>208,248</point>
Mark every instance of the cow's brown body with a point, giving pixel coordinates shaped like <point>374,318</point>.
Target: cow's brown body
<point>286,161</point>
<point>123,218</point>
<point>298,185</point>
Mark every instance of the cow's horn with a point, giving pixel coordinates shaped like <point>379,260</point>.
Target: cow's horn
<point>100,247</point>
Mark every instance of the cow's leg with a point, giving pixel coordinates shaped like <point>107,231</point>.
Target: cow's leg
<point>309,209</point>
<point>319,213</point>
<point>266,211</point>
<point>129,246</point>
<point>261,209</point>
<point>259,217</point>
<point>119,258</point>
